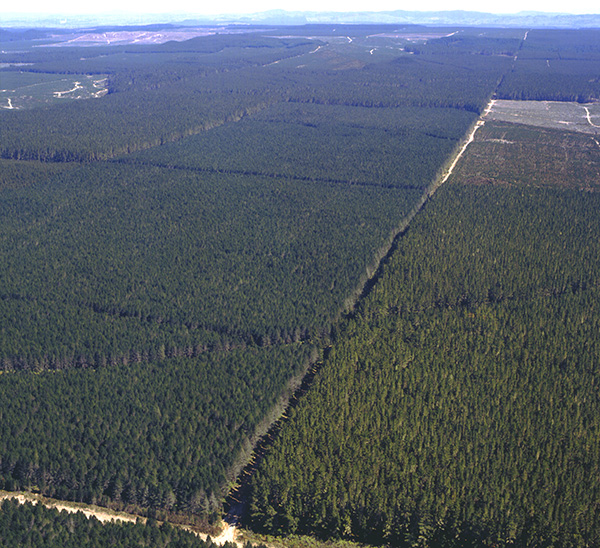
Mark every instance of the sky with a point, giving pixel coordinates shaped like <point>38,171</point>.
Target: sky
<point>63,7</point>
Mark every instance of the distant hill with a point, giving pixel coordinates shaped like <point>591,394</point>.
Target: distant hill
<point>450,18</point>
<point>529,19</point>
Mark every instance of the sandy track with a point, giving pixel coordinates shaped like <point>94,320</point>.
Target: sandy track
<point>588,116</point>
<point>76,86</point>
<point>480,123</point>
<point>105,515</point>
<point>101,514</point>
<point>294,57</point>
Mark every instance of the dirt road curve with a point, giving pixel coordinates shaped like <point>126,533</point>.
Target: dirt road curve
<point>588,116</point>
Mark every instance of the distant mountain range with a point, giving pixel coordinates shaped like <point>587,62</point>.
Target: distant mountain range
<point>529,19</point>
<point>445,18</point>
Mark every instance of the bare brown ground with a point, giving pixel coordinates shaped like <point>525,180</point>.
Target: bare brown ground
<point>520,155</point>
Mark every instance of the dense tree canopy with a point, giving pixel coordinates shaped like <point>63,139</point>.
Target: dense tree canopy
<point>172,253</point>
<point>459,403</point>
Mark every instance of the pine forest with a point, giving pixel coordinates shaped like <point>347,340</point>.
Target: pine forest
<point>260,238</point>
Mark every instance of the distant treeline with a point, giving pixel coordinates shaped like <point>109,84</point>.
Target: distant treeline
<point>556,66</point>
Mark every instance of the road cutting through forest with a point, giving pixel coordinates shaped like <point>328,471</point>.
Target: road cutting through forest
<point>229,532</point>
<point>479,124</point>
<point>237,498</point>
<point>294,57</point>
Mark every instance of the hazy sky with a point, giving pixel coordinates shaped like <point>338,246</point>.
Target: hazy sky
<point>236,6</point>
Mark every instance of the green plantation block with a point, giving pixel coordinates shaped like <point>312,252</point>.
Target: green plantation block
<point>386,147</point>
<point>444,123</point>
<point>164,434</point>
<point>459,404</point>
<point>556,66</point>
<point>84,130</point>
<point>126,259</point>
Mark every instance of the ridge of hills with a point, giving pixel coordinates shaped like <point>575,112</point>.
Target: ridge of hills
<point>280,17</point>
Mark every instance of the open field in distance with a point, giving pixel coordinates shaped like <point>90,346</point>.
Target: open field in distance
<point>583,118</point>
